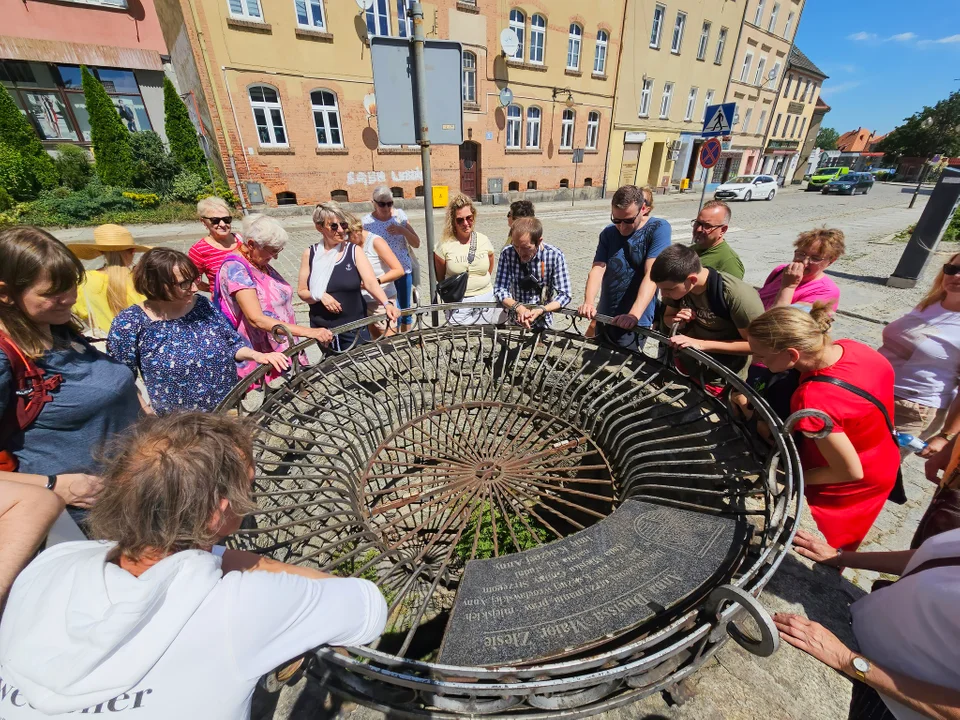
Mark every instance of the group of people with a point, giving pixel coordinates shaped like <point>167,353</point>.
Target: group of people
<point>162,480</point>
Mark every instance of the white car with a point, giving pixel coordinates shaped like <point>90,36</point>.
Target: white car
<point>748,187</point>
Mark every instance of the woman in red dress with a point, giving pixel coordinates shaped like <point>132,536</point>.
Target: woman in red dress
<point>849,473</point>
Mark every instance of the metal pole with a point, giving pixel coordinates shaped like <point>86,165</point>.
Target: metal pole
<point>923,175</point>
<point>420,82</point>
<point>703,190</point>
<point>573,198</point>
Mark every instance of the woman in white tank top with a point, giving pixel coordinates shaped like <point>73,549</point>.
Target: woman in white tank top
<point>386,267</point>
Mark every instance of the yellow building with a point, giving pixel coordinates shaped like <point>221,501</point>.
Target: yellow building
<point>757,75</point>
<point>676,60</point>
<point>792,116</point>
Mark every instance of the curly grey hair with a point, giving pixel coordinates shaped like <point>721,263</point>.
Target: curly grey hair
<point>264,231</point>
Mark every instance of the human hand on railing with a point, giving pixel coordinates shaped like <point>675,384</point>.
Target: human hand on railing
<point>685,341</point>
<point>321,335</point>
<point>278,360</point>
<point>393,312</point>
<point>626,321</point>
<point>331,304</point>
<point>683,315</point>
<point>587,310</point>
<point>527,316</point>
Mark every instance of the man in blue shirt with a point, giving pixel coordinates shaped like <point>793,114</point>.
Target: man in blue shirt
<point>621,266</point>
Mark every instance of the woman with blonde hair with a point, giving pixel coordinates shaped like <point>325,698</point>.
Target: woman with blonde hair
<point>803,281</point>
<point>386,267</point>
<point>108,290</point>
<point>468,255</point>
<point>849,473</point>
<point>209,252</point>
<point>924,348</point>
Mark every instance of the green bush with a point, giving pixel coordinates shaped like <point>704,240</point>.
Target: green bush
<point>17,133</point>
<point>189,187</point>
<point>53,208</point>
<point>6,202</point>
<point>144,200</point>
<point>181,134</point>
<point>73,165</point>
<point>153,167</point>
<point>111,140</point>
<point>14,176</point>
<point>222,190</point>
<point>952,233</point>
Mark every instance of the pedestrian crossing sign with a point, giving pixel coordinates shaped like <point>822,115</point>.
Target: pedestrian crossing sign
<point>718,120</point>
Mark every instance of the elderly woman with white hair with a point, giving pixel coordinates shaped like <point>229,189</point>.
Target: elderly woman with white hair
<point>209,252</point>
<point>393,226</point>
<point>254,296</point>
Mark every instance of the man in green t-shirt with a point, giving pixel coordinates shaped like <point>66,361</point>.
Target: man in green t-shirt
<point>709,230</point>
<point>714,307</point>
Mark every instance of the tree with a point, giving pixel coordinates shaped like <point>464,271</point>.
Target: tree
<point>933,130</point>
<point>153,167</point>
<point>827,139</point>
<point>17,134</point>
<point>111,140</point>
<point>182,136</point>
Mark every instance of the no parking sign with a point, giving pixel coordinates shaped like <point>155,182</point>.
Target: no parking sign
<point>710,153</point>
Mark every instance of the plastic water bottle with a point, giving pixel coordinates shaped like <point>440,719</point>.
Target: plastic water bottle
<point>909,441</point>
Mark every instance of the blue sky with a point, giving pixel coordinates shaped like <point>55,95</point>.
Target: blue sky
<point>885,59</point>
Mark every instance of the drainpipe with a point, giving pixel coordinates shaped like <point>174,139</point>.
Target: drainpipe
<point>616,98</point>
<point>211,78</point>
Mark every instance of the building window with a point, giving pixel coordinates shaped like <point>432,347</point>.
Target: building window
<point>405,18</point>
<point>531,184</point>
<point>588,182</point>
<point>513,186</point>
<point>573,47</point>
<point>517,24</point>
<point>707,102</point>
<point>326,118</point>
<point>566,129</point>
<point>704,41</point>
<point>761,122</point>
<point>796,89</point>
<point>397,192</point>
<point>786,29</point>
<point>772,26</point>
<point>538,37</point>
<point>691,104</point>
<point>339,196</point>
<point>656,28</point>
<point>776,124</point>
<point>759,79</point>
<point>268,116</point>
<point>564,182</point>
<point>514,114</point>
<point>759,15</point>
<point>286,198</point>
<point>678,27</point>
<point>378,18</point>
<point>747,117</point>
<point>645,94</point>
<point>593,130</point>
<point>745,70</point>
<point>469,77</point>
<point>786,88</point>
<point>310,14</point>
<point>600,55</point>
<point>533,128</point>
<point>775,73</point>
<point>803,126</point>
<point>721,43</point>
<point>806,90</point>
<point>665,100</point>
<point>246,9</point>
<point>796,119</point>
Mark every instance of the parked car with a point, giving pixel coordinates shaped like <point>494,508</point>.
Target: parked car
<point>849,184</point>
<point>821,176</point>
<point>747,187</point>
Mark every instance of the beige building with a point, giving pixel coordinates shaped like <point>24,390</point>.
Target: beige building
<point>792,116</point>
<point>759,69</point>
<point>286,89</point>
<point>677,60</point>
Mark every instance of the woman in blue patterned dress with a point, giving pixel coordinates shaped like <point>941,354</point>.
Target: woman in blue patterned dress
<point>185,350</point>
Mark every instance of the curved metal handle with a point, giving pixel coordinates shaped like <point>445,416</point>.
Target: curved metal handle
<point>729,595</point>
<point>281,333</point>
<point>801,414</point>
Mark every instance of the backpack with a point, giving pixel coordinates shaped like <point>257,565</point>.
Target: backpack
<point>715,297</point>
<point>31,391</point>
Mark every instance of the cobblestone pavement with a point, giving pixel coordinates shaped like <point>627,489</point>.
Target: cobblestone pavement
<point>734,685</point>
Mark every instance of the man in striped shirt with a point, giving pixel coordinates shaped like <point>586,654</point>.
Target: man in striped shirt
<point>532,278</point>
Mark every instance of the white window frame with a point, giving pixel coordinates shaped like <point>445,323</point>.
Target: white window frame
<point>806,91</point>
<point>776,124</point>
<point>776,72</point>
<point>568,124</point>
<point>759,14</point>
<point>761,122</point>
<point>679,25</point>
<point>656,27</point>
<point>593,130</point>
<point>803,127</point>
<point>379,13</point>
<point>786,87</point>
<point>646,91</point>
<point>796,89</point>
<point>574,45</point>
<point>691,104</point>
<point>747,117</point>
<point>513,127</point>
<point>704,41</point>
<point>796,119</point>
<point>721,46</point>
<point>707,102</point>
<point>538,38</point>
<point>774,12</point>
<point>759,80</point>
<point>600,53</point>
<point>310,10</point>
<point>518,23</point>
<point>666,99</point>
<point>469,88</point>
<point>534,115</point>
<point>247,8</point>
<point>786,29</point>
<point>747,65</point>
<point>268,107</point>
<point>327,110</point>
<point>405,18</point>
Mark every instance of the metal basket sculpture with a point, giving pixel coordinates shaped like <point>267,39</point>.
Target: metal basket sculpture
<point>405,459</point>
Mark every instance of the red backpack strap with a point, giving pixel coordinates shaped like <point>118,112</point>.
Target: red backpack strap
<point>31,391</point>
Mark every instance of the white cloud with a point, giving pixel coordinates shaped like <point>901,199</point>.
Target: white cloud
<point>903,37</point>
<point>849,68</point>
<point>830,89</point>
<point>862,36</point>
<point>949,39</point>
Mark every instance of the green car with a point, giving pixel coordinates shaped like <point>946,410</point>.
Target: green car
<point>821,176</point>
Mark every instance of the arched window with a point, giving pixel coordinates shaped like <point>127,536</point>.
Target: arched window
<point>531,184</point>
<point>538,37</point>
<point>339,196</point>
<point>573,47</point>
<point>286,198</point>
<point>514,113</point>
<point>469,77</point>
<point>518,25</point>
<point>326,118</point>
<point>418,191</point>
<point>588,182</point>
<point>397,192</point>
<point>566,129</point>
<point>533,128</point>
<point>593,130</point>
<point>514,186</point>
<point>600,55</point>
<point>268,116</point>
<point>564,183</point>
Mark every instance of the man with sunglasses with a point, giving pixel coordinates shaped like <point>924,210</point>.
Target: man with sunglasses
<point>621,266</point>
<point>709,231</point>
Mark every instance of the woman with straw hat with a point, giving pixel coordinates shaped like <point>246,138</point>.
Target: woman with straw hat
<point>107,291</point>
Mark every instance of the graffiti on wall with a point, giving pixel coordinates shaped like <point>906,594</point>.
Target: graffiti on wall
<point>373,177</point>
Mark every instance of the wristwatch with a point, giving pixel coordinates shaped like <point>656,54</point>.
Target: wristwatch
<point>947,436</point>
<point>51,482</point>
<point>861,666</point>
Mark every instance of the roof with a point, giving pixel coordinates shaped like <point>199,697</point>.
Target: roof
<point>801,62</point>
<point>855,141</point>
<point>821,106</point>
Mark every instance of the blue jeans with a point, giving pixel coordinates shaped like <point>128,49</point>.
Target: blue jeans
<point>404,286</point>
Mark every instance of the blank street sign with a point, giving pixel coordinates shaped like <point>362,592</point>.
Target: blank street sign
<point>578,155</point>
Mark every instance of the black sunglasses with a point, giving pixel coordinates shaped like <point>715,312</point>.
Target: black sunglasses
<point>628,221</point>
<point>217,220</point>
<point>385,204</point>
<point>342,226</point>
<point>949,269</point>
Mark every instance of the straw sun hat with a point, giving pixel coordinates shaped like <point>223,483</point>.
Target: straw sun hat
<point>106,238</point>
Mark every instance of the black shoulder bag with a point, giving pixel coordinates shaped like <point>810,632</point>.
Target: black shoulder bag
<point>897,495</point>
<point>452,289</point>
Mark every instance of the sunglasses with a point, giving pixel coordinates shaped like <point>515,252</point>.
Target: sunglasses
<point>465,220</point>
<point>706,226</point>
<point>342,226</point>
<point>217,220</point>
<point>949,269</point>
<point>620,221</point>
<point>385,204</point>
<point>800,256</point>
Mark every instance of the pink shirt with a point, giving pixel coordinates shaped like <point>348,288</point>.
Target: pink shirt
<point>822,289</point>
<point>208,258</point>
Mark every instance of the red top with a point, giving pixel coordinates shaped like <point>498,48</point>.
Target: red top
<point>208,258</point>
<point>844,512</point>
